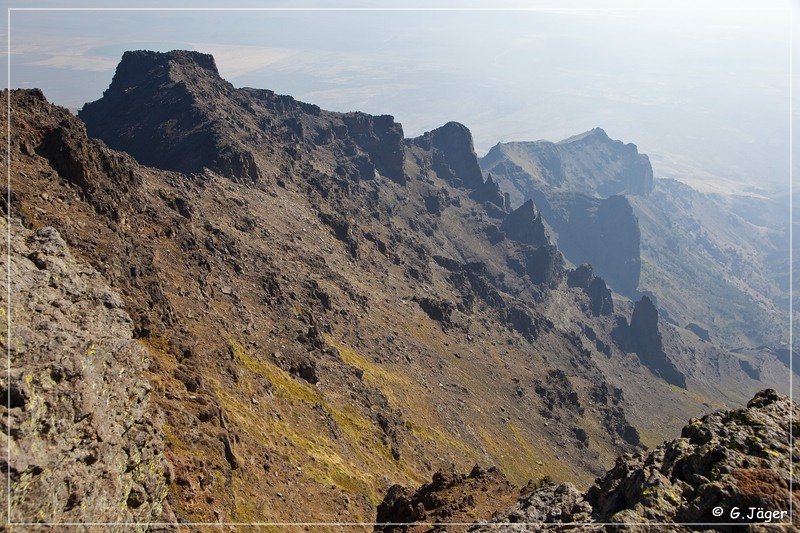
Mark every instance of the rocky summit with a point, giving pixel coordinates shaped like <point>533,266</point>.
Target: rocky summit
<point>735,461</point>
<point>738,462</point>
<point>230,306</point>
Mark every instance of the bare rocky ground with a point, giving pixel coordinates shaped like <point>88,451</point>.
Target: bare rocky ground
<point>324,309</point>
<point>84,442</point>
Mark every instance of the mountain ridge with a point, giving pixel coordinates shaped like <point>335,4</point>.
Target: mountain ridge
<point>322,322</point>
<point>707,259</point>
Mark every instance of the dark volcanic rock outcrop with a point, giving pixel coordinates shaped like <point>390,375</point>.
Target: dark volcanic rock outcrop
<point>84,165</point>
<point>489,192</point>
<point>600,300</point>
<point>600,297</point>
<point>643,337</point>
<point>382,139</point>
<point>175,130</point>
<point>173,111</point>
<point>525,225</point>
<point>448,498</point>
<point>454,156</point>
<point>83,440</point>
<point>734,460</point>
<point>580,276</point>
<point>438,310</point>
<point>544,265</point>
<point>644,326</point>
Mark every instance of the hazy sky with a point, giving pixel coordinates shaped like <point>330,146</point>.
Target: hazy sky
<point>705,92</point>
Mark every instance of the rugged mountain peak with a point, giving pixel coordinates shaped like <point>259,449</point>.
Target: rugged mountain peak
<point>590,163</point>
<point>454,157</point>
<point>83,163</point>
<point>633,173</point>
<point>142,66</point>
<point>594,134</point>
<point>173,111</point>
<point>492,197</point>
<point>525,225</point>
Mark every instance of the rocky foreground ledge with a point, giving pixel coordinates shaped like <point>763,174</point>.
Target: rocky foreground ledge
<point>82,442</point>
<point>729,471</point>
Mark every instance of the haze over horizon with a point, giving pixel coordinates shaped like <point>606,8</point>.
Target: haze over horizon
<point>704,92</point>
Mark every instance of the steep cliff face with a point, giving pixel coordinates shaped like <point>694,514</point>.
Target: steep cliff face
<point>616,245</point>
<point>578,184</point>
<point>84,440</point>
<point>525,225</point>
<point>454,155</point>
<point>382,140</point>
<point>711,259</point>
<point>489,192</point>
<point>601,232</point>
<point>643,337</point>
<point>173,111</point>
<point>178,132</point>
<point>644,325</point>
